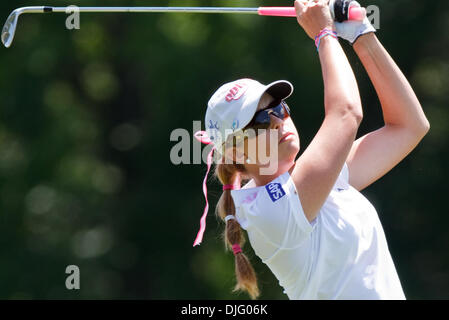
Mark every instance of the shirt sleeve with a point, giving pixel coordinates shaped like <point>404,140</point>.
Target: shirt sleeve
<point>278,214</point>
<point>343,179</point>
<point>345,173</point>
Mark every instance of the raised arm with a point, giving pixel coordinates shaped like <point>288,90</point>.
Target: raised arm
<point>374,154</point>
<point>317,169</point>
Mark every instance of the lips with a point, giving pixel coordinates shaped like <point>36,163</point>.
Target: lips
<point>285,136</point>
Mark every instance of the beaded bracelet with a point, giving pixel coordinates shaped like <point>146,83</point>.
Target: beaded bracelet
<point>322,34</point>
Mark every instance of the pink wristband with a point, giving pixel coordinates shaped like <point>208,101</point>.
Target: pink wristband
<point>323,33</point>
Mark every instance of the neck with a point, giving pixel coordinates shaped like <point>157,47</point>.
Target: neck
<point>263,179</point>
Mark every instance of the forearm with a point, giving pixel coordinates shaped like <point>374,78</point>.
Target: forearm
<point>341,93</point>
<point>399,103</point>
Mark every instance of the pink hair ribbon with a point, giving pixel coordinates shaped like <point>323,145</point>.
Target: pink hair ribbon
<point>202,137</point>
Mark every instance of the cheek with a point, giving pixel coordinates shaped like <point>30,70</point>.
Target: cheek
<point>290,126</point>
<point>250,146</point>
<point>272,142</point>
<point>256,145</point>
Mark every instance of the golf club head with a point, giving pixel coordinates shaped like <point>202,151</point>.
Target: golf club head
<point>9,29</point>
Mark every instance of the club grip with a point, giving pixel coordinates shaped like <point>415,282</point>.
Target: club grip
<point>355,13</point>
<point>277,11</point>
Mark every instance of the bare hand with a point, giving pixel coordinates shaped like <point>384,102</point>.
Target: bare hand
<point>314,16</point>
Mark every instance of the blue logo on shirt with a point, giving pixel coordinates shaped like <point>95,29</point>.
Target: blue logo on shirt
<point>275,191</point>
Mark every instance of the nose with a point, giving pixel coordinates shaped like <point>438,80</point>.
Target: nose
<point>276,123</point>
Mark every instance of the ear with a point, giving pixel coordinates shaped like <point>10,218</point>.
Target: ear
<point>235,154</point>
<point>239,156</point>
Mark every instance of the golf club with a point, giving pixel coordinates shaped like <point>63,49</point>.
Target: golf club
<point>343,11</point>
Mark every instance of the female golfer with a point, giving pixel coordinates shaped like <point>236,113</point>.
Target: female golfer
<point>306,218</point>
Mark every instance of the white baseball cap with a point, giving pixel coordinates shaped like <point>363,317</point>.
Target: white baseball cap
<point>234,104</point>
<point>230,109</point>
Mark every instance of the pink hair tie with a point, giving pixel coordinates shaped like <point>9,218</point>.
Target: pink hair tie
<point>228,187</point>
<point>236,248</point>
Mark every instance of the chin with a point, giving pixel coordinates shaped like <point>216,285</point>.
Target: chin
<point>288,157</point>
<point>291,146</point>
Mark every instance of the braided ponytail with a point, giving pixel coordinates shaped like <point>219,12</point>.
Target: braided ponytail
<point>233,234</point>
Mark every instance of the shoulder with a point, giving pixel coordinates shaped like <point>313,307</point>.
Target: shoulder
<point>273,190</point>
<point>274,210</point>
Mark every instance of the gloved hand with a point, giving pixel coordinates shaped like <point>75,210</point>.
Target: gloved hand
<point>351,30</point>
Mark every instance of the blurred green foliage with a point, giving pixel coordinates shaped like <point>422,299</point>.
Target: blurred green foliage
<point>85,123</point>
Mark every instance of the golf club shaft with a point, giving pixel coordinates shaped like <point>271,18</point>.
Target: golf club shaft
<point>263,11</point>
<point>153,9</point>
<point>9,29</point>
<point>268,11</point>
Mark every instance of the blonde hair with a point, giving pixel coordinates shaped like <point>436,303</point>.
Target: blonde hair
<point>233,233</point>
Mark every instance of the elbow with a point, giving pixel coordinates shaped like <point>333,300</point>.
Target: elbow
<point>355,111</point>
<point>421,125</point>
<point>358,118</point>
<point>426,126</point>
<point>349,113</point>
<point>422,128</point>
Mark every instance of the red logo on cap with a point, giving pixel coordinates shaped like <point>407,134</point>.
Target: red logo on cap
<point>236,92</point>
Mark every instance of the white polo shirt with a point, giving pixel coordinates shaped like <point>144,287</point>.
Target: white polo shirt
<point>342,254</point>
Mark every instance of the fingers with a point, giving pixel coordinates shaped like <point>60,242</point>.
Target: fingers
<point>323,2</point>
<point>302,5</point>
<point>312,3</point>
<point>299,7</point>
<point>317,2</point>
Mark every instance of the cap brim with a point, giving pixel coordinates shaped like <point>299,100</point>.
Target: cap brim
<point>281,89</point>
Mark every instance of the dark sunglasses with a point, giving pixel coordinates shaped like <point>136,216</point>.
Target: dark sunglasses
<point>262,119</point>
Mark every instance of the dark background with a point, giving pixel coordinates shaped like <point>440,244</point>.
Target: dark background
<point>85,123</point>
